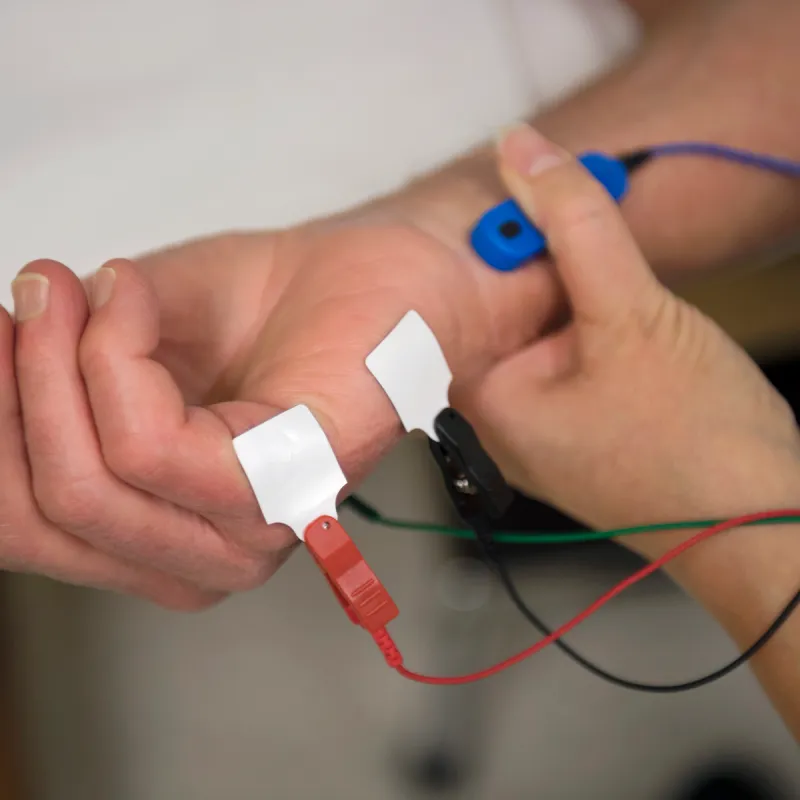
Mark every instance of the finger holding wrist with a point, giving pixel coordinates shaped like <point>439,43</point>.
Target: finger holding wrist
<point>29,541</point>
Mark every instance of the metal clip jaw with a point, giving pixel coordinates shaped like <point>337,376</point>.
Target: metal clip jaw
<point>475,484</point>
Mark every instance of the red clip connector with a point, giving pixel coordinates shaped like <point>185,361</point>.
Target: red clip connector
<point>358,589</point>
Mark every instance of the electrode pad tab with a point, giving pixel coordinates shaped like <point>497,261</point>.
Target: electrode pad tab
<point>411,368</point>
<point>292,469</point>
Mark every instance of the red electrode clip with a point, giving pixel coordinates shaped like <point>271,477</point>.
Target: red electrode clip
<point>358,589</point>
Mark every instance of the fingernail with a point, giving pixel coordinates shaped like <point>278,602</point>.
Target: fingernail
<point>526,151</point>
<point>31,292</point>
<point>102,286</point>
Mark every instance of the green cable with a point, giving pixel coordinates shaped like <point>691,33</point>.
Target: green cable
<point>370,513</point>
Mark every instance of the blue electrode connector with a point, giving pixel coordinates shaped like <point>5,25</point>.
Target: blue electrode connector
<point>506,239</point>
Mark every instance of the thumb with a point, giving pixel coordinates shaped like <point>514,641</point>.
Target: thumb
<point>603,271</point>
<point>517,406</point>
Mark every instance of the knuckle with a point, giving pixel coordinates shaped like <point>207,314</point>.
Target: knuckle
<point>72,504</point>
<point>671,322</point>
<point>42,264</point>
<point>134,459</point>
<point>92,355</point>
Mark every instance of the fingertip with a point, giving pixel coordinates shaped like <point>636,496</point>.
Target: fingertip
<point>127,270</point>
<point>124,311</point>
<point>46,284</point>
<point>118,272</point>
<point>101,287</point>
<point>57,275</point>
<point>119,263</point>
<point>48,267</point>
<point>525,152</point>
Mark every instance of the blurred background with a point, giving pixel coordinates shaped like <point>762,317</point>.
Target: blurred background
<point>131,125</point>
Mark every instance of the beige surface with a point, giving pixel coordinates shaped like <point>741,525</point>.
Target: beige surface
<point>11,786</point>
<point>759,308</point>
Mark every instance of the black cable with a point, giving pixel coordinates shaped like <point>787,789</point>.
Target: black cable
<point>635,159</point>
<point>653,688</point>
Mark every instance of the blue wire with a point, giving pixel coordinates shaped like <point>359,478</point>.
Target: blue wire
<point>783,166</point>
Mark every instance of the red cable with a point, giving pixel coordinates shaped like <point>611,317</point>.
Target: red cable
<point>395,660</point>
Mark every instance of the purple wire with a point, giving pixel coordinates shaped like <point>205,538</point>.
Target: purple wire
<point>783,166</point>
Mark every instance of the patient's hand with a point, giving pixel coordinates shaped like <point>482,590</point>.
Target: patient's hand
<point>117,466</point>
<point>640,409</point>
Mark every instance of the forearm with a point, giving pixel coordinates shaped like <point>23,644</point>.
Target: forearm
<point>715,71</point>
<point>744,581</point>
<point>746,576</point>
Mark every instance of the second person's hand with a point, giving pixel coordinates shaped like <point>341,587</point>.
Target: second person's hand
<point>640,409</point>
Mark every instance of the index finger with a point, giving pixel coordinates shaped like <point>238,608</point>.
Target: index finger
<point>149,438</point>
<point>601,266</point>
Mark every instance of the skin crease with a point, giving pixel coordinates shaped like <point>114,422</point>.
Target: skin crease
<point>232,329</point>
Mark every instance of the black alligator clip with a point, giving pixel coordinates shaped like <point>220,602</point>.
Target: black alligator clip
<point>476,487</point>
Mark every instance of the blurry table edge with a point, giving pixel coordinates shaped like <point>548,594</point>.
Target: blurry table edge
<point>11,777</point>
<point>759,308</point>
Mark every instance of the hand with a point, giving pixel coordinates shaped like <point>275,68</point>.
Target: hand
<point>116,468</point>
<point>640,409</point>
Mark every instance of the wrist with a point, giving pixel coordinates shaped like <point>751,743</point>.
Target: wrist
<point>448,202</point>
<point>489,314</point>
<point>742,556</point>
<point>742,577</point>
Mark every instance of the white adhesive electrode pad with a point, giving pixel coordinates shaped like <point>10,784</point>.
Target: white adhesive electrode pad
<point>411,368</point>
<point>292,468</point>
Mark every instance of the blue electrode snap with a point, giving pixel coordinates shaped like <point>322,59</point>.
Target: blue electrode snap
<point>506,239</point>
